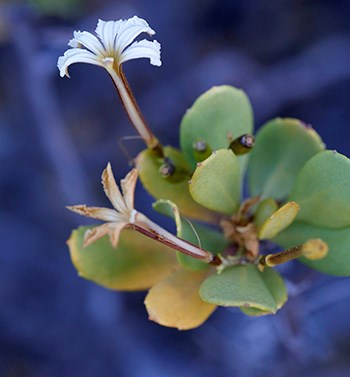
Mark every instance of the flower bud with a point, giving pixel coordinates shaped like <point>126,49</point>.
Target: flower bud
<point>201,150</point>
<point>171,173</point>
<point>243,144</point>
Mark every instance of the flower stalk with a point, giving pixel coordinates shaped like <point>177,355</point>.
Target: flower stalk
<point>154,231</point>
<point>312,249</point>
<point>131,107</point>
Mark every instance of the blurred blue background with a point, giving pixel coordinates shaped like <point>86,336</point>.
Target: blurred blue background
<point>56,135</point>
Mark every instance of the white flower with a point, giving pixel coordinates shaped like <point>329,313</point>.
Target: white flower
<point>112,47</point>
<point>116,219</point>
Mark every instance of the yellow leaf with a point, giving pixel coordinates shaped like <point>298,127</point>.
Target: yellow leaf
<point>175,301</point>
<point>279,220</point>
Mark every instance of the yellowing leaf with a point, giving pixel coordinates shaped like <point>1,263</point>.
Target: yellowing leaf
<point>136,264</point>
<point>279,220</point>
<point>175,301</point>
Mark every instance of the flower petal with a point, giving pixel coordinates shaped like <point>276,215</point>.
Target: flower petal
<point>143,49</point>
<point>108,31</point>
<point>128,187</point>
<point>115,232</point>
<point>94,234</point>
<point>76,55</point>
<point>88,40</point>
<point>100,213</point>
<point>112,191</point>
<point>129,30</point>
<point>175,301</point>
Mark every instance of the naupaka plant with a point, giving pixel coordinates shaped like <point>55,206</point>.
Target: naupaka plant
<point>227,234</point>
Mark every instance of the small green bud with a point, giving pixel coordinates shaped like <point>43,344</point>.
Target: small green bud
<point>171,173</point>
<point>201,150</point>
<point>167,169</point>
<point>243,144</point>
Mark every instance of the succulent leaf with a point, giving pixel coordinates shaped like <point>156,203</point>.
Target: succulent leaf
<point>323,190</point>
<point>275,284</point>
<point>245,286</point>
<point>215,183</point>
<point>220,113</point>
<point>136,264</point>
<point>282,147</point>
<point>279,220</point>
<point>148,163</point>
<point>175,302</point>
<point>336,262</point>
<point>263,211</point>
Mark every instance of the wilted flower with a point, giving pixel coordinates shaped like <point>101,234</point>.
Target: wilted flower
<point>117,218</point>
<point>124,214</point>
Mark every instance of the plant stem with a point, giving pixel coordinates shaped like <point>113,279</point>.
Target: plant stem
<point>150,229</point>
<point>272,260</point>
<point>131,107</point>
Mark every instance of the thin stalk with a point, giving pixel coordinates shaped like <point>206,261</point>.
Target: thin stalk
<point>147,227</point>
<point>272,260</point>
<point>131,108</point>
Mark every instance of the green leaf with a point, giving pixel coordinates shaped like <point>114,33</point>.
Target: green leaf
<point>148,163</point>
<point>263,211</point>
<point>323,190</point>
<point>275,285</point>
<point>245,286</point>
<point>336,262</point>
<point>279,220</point>
<point>168,208</point>
<point>136,264</point>
<point>215,183</point>
<point>209,239</point>
<point>218,114</point>
<point>282,147</point>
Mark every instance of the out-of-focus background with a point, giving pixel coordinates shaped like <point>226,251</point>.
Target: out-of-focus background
<point>292,57</point>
